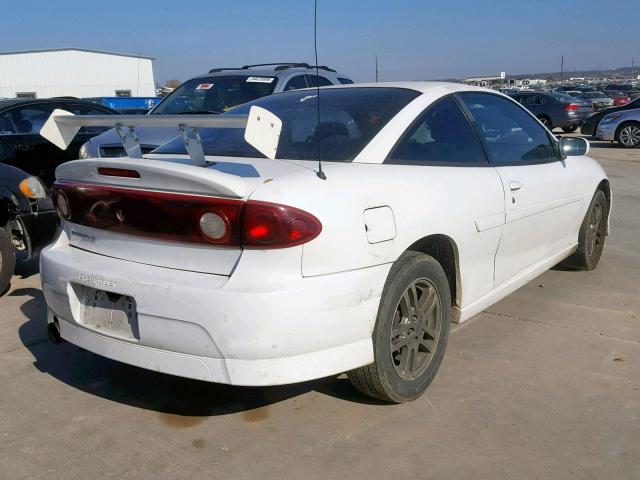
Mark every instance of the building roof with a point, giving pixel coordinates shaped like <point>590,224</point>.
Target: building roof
<point>47,50</point>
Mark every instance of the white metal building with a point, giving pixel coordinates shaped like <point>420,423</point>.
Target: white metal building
<point>75,72</point>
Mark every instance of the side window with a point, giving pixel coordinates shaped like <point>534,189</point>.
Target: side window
<point>321,81</point>
<point>30,119</point>
<point>528,100</point>
<point>78,109</point>
<point>6,124</point>
<point>296,83</point>
<point>442,135</point>
<point>511,136</point>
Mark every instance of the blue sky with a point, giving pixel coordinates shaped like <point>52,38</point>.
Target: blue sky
<point>414,40</point>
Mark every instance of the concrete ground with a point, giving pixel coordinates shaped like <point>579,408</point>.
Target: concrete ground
<point>543,385</point>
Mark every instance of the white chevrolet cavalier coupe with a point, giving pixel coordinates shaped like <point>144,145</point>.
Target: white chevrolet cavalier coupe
<point>211,260</point>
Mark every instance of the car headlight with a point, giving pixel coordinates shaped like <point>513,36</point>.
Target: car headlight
<point>612,117</point>
<point>33,188</point>
<point>85,151</point>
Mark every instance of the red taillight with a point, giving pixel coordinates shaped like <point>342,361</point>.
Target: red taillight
<point>118,172</point>
<point>184,218</point>
<point>572,106</point>
<point>161,215</point>
<point>269,225</point>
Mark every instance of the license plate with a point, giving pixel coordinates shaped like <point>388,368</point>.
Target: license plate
<point>109,313</point>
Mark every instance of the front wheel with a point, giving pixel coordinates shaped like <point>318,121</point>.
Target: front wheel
<point>591,236</point>
<point>628,135</point>
<point>7,260</point>
<point>411,331</point>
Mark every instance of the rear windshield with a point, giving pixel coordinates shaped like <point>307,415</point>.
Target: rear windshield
<point>215,94</point>
<point>349,119</point>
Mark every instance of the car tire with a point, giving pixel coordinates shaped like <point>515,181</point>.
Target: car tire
<point>628,135</point>
<point>7,261</point>
<point>546,121</point>
<point>592,235</point>
<point>570,129</point>
<point>408,342</point>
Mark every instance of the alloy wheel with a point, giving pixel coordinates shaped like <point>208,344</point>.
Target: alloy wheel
<point>630,136</point>
<point>595,229</point>
<point>415,330</point>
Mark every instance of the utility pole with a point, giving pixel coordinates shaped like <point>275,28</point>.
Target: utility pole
<point>561,69</point>
<point>376,68</point>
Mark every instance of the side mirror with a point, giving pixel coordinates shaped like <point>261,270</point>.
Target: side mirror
<point>573,146</point>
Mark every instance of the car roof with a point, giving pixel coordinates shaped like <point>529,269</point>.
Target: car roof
<point>265,72</point>
<point>419,86</point>
<point>12,102</point>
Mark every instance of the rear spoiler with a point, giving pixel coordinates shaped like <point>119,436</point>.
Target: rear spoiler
<point>261,129</point>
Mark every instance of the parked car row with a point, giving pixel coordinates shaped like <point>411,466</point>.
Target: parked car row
<point>611,90</point>
<point>555,109</point>
<point>594,114</point>
<point>216,92</point>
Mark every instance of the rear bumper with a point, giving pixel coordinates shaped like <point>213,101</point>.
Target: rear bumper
<point>245,331</point>
<point>568,120</point>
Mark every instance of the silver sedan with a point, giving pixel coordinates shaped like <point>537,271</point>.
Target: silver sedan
<point>622,127</point>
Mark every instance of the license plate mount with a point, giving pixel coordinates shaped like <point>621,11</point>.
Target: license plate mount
<point>109,313</point>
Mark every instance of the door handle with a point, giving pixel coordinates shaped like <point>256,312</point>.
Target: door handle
<point>515,185</point>
<point>21,147</point>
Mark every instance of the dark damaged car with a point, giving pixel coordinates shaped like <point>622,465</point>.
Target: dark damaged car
<point>28,221</point>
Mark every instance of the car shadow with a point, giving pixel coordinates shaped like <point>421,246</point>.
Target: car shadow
<point>165,394</point>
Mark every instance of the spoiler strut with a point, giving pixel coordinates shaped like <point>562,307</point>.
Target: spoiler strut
<point>262,129</point>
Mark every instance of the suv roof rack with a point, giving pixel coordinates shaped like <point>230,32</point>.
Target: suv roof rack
<point>278,66</point>
<point>216,70</point>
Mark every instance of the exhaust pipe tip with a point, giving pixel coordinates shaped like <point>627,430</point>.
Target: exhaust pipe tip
<point>53,332</point>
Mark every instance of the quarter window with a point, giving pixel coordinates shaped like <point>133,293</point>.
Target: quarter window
<point>441,136</point>
<point>510,135</point>
<point>321,81</point>
<point>296,83</point>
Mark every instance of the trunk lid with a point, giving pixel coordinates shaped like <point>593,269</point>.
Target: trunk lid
<point>229,179</point>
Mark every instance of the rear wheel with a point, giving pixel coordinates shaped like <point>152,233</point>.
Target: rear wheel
<point>628,135</point>
<point>592,235</point>
<point>546,121</point>
<point>411,332</point>
<point>570,129</point>
<point>7,260</point>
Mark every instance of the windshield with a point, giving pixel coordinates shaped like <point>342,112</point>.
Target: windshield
<point>349,119</point>
<point>215,94</point>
